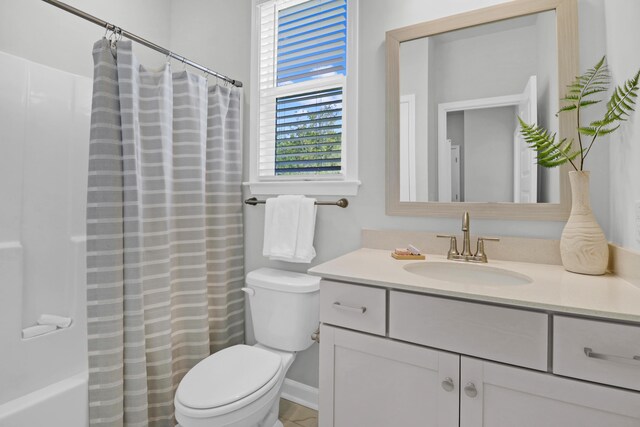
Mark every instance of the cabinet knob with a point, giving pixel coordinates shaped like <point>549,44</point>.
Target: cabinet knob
<point>448,384</point>
<point>470,390</point>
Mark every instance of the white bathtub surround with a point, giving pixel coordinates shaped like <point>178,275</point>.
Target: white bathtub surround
<point>289,228</point>
<point>583,246</point>
<point>44,117</point>
<point>52,319</point>
<point>164,227</point>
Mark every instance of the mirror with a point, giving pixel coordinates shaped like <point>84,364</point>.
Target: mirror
<point>459,141</point>
<point>455,89</point>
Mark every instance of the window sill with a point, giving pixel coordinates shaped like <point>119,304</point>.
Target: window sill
<point>307,188</point>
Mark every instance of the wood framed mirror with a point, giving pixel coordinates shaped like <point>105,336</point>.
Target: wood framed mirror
<point>455,87</point>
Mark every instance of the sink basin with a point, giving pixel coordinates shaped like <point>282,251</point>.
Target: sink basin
<point>467,274</point>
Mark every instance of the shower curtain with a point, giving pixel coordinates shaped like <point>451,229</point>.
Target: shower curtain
<point>164,234</point>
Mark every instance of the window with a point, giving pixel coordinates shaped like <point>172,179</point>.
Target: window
<point>303,131</point>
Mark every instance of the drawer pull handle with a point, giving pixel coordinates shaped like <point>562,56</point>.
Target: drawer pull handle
<point>602,356</point>
<point>359,310</point>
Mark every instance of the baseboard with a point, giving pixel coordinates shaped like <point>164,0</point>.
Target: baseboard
<point>299,393</point>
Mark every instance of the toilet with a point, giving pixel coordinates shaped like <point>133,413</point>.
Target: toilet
<point>240,385</point>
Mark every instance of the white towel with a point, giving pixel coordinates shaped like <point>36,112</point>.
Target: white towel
<point>52,319</point>
<point>34,331</point>
<point>305,251</point>
<point>284,226</point>
<point>289,228</point>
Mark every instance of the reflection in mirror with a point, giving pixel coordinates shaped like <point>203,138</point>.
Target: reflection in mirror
<point>460,95</point>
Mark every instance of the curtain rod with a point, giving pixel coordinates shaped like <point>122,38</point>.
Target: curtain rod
<point>138,39</point>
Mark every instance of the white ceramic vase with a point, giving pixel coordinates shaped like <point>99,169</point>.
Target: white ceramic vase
<point>583,246</point>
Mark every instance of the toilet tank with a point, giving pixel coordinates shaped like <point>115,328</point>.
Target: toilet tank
<point>284,308</point>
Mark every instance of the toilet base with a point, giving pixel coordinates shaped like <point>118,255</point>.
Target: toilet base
<point>271,419</point>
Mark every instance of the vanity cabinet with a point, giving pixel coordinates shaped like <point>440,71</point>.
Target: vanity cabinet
<point>444,362</point>
<point>371,381</point>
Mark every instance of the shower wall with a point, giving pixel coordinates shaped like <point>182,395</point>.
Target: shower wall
<point>44,138</point>
<point>44,129</point>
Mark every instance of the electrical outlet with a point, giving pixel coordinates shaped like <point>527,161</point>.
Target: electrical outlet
<point>637,220</point>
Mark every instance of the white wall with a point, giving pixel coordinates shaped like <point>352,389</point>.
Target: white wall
<point>215,33</point>
<point>47,35</point>
<point>592,46</point>
<point>623,38</point>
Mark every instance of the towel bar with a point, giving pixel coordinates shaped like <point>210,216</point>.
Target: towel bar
<point>343,203</point>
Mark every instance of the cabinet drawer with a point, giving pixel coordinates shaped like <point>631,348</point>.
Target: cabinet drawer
<point>352,306</point>
<point>607,353</point>
<point>513,336</point>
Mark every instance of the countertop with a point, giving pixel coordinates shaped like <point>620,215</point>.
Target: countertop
<point>552,288</point>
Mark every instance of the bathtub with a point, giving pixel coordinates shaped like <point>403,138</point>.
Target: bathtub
<point>62,404</point>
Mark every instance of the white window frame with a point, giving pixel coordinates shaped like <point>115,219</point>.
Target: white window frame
<point>347,182</point>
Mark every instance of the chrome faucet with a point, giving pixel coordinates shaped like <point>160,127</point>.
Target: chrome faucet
<point>466,255</point>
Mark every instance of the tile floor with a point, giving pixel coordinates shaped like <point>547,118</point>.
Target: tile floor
<point>294,415</point>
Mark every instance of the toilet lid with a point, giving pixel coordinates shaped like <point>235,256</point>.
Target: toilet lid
<point>227,376</point>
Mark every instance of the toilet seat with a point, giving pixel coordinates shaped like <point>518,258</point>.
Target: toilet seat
<point>230,378</point>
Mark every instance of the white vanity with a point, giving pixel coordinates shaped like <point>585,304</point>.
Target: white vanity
<point>401,349</point>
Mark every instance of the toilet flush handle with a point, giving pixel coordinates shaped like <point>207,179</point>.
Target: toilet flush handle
<point>249,291</point>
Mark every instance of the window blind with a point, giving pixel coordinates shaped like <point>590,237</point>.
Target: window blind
<point>309,133</point>
<point>302,78</point>
<point>312,38</point>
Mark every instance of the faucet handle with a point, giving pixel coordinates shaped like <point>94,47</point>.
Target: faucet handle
<point>480,247</point>
<point>453,244</point>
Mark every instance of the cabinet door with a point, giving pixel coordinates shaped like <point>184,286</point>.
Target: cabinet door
<point>376,382</point>
<point>495,395</point>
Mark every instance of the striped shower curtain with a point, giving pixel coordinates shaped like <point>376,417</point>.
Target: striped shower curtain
<point>164,234</point>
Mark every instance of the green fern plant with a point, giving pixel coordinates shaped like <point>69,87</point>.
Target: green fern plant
<point>582,93</point>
